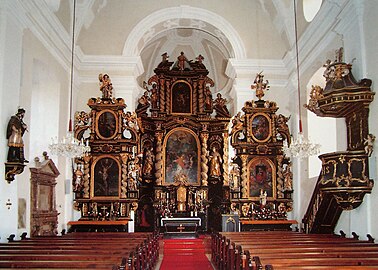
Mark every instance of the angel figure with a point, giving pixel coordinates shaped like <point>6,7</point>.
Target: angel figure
<point>245,209</point>
<point>143,101</point>
<point>369,144</point>
<point>237,122</point>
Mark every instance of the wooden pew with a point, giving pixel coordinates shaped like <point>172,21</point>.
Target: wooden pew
<point>291,250</point>
<point>82,251</point>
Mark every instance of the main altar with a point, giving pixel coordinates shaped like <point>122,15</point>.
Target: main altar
<point>166,166</point>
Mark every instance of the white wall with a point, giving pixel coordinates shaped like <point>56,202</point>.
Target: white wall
<point>371,37</point>
<point>10,63</point>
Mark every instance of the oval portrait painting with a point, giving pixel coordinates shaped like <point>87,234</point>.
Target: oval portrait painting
<point>260,128</point>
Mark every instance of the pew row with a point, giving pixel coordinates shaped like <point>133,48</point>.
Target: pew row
<point>113,250</point>
<point>291,250</point>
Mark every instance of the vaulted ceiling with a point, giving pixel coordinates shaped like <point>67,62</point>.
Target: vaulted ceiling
<point>218,30</point>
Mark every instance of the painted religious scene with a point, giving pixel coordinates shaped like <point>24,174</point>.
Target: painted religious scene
<point>261,172</point>
<point>106,174</point>
<point>181,157</point>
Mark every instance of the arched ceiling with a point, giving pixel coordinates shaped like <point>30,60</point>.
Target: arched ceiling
<point>250,29</point>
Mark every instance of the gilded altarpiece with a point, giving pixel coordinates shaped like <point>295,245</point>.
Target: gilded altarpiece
<point>105,182</point>
<point>260,175</point>
<point>185,137</point>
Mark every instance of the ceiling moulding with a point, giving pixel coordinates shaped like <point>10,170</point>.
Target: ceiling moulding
<point>284,20</point>
<point>147,26</point>
<point>236,68</point>
<point>317,36</point>
<point>37,16</point>
<point>109,63</point>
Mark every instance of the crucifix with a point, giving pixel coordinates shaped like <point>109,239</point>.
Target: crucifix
<point>180,228</point>
<point>104,208</point>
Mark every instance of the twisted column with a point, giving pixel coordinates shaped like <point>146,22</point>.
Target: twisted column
<point>168,96</point>
<point>244,176</point>
<point>86,176</point>
<point>162,94</point>
<point>200,95</point>
<point>124,158</point>
<point>280,178</point>
<point>194,99</point>
<point>204,159</point>
<point>226,181</point>
<point>159,158</point>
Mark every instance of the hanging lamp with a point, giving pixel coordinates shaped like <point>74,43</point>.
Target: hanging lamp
<point>69,146</point>
<point>300,147</point>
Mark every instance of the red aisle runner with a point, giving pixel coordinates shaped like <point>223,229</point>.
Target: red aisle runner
<point>184,254</point>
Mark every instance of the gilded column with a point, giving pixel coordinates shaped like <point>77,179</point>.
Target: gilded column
<point>204,160</point>
<point>159,158</point>
<point>280,177</point>
<point>226,181</point>
<point>244,176</point>
<point>124,159</point>
<point>86,176</point>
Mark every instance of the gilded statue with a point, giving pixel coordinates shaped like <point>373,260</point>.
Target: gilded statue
<point>148,162</point>
<point>215,163</point>
<point>260,86</point>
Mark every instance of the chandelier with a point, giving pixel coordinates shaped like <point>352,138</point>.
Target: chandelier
<point>300,147</point>
<point>69,146</point>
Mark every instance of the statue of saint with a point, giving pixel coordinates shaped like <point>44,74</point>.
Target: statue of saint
<point>15,131</point>
<point>148,162</point>
<point>220,106</point>
<point>106,86</point>
<point>215,163</point>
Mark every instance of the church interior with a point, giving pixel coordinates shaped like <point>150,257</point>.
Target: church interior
<point>232,125</point>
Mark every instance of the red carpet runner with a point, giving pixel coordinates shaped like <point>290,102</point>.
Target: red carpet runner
<point>184,254</point>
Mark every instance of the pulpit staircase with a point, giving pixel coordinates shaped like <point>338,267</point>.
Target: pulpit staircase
<point>344,178</point>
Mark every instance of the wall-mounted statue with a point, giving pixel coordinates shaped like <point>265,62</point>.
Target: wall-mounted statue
<point>15,131</point>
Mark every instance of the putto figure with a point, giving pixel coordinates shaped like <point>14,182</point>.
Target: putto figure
<point>15,131</point>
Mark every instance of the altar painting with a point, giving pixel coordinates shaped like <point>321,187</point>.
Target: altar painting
<point>261,173</point>
<point>106,174</point>
<point>106,124</point>
<point>181,157</point>
<point>260,125</point>
<point>181,98</point>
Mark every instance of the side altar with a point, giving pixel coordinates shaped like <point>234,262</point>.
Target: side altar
<point>260,176</point>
